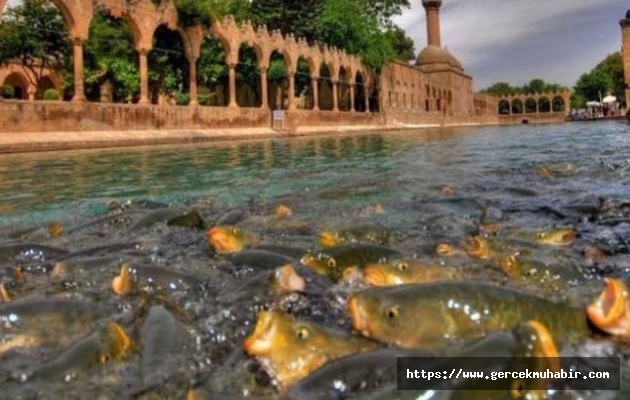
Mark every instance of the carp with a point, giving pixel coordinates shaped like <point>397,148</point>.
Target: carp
<point>401,271</point>
<point>334,260</point>
<point>39,321</point>
<point>435,314</point>
<point>290,348</point>
<point>109,343</point>
<point>368,233</point>
<point>228,239</point>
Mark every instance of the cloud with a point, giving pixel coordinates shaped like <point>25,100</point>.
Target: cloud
<point>485,34</point>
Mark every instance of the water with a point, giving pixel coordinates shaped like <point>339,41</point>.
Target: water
<point>324,174</point>
<point>426,186</point>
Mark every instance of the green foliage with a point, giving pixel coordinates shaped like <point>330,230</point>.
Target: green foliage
<point>201,12</point>
<point>606,77</point>
<point>7,92</point>
<point>289,16</point>
<point>168,66</point>
<point>533,87</point>
<point>51,95</point>
<point>34,34</point>
<point>348,25</point>
<point>401,44</point>
<point>109,54</point>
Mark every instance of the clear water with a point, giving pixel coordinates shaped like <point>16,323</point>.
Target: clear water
<point>539,176</point>
<point>325,174</point>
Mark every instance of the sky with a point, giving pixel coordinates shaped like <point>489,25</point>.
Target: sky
<point>519,40</point>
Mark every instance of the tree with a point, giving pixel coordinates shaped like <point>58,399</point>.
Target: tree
<point>34,34</point>
<point>606,77</point>
<point>289,16</point>
<point>402,44</point>
<point>109,55</point>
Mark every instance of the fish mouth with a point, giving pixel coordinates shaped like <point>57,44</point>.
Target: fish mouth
<point>259,342</point>
<point>545,343</point>
<point>567,238</point>
<point>310,262</point>
<point>222,241</point>
<point>475,247</point>
<point>119,342</point>
<point>327,239</point>
<point>609,311</point>
<point>445,249</point>
<point>123,283</point>
<point>288,281</point>
<point>374,276</point>
<point>357,314</point>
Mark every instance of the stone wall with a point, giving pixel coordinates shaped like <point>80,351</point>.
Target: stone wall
<point>541,118</point>
<point>35,116</point>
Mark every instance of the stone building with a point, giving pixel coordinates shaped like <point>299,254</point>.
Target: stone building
<point>336,88</point>
<point>435,88</point>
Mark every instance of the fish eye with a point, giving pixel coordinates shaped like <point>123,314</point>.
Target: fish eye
<point>103,358</point>
<point>402,266</point>
<point>517,388</point>
<point>540,235</point>
<point>331,263</point>
<point>392,313</point>
<point>303,333</point>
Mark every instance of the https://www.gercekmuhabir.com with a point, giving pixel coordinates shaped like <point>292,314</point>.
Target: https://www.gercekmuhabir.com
<point>487,373</point>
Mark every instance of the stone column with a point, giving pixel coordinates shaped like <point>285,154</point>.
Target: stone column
<point>77,60</point>
<point>335,96</point>
<point>351,89</point>
<point>291,90</point>
<point>144,76</point>
<point>264,101</point>
<point>315,84</point>
<point>233,102</point>
<point>192,65</point>
<point>367,98</point>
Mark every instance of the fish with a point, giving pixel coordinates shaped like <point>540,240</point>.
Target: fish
<point>401,271</point>
<point>155,217</point>
<point>40,321</point>
<point>371,374</point>
<point>561,237</point>
<point>230,218</point>
<point>277,282</point>
<point>367,233</point>
<point>457,311</point>
<point>107,249</point>
<point>165,343</point>
<point>334,260</point>
<point>109,343</point>
<point>610,311</point>
<point>10,251</point>
<point>80,266</point>
<point>259,259</point>
<point>290,348</point>
<point>191,219</point>
<point>228,239</point>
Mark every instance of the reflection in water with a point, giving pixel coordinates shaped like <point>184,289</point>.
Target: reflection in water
<point>344,169</point>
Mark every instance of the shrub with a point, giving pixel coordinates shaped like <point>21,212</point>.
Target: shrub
<point>7,92</point>
<point>51,94</point>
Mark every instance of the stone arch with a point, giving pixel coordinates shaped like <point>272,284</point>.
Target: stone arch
<point>47,83</point>
<point>303,86</point>
<point>325,87</point>
<point>277,79</point>
<point>361,94</point>
<point>248,84</point>
<point>20,84</point>
<point>343,89</point>
<point>518,106</point>
<point>71,16</point>
<point>544,105</point>
<point>531,105</point>
<point>212,85</point>
<point>504,107</point>
<point>558,104</point>
<point>106,89</point>
<point>167,58</point>
<point>375,97</point>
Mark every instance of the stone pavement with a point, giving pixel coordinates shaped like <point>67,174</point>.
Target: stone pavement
<point>17,142</point>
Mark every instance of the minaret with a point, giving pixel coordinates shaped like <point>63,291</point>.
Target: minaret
<point>432,7</point>
<point>625,53</point>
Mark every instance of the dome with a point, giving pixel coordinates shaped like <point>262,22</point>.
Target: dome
<point>436,55</point>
